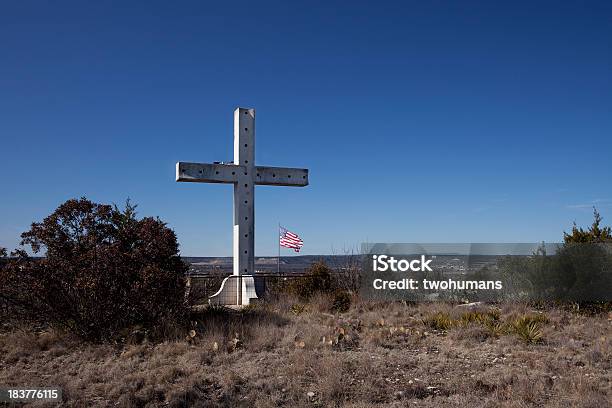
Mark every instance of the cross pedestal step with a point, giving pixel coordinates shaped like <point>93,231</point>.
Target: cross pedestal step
<point>237,290</point>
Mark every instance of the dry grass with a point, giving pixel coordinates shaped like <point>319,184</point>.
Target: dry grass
<point>301,355</point>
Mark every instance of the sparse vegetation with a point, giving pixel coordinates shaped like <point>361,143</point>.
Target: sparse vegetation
<point>374,355</point>
<point>528,327</point>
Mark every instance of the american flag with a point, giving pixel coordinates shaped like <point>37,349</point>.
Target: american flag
<point>290,240</point>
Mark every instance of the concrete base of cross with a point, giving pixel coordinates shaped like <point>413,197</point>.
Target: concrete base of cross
<point>236,290</point>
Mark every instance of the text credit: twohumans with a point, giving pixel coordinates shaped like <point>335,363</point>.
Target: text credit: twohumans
<point>421,265</point>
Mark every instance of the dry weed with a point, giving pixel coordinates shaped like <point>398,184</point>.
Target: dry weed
<point>375,355</point>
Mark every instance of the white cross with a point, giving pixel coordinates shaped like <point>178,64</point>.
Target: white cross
<point>244,175</point>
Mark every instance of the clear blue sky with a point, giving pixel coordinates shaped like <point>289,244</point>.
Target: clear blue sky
<point>419,121</point>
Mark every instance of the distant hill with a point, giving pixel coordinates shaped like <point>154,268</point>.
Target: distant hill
<point>263,264</point>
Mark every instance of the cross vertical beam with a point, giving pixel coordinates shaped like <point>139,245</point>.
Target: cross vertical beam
<point>244,194</point>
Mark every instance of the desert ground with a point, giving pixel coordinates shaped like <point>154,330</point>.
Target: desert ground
<point>288,353</point>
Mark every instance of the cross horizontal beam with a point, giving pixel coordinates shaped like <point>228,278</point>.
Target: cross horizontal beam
<point>230,173</point>
<point>208,173</point>
<point>281,176</point>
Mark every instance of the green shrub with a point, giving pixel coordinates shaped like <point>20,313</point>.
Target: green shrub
<point>578,272</point>
<point>297,309</point>
<point>341,302</point>
<point>318,279</point>
<point>595,233</point>
<point>589,308</point>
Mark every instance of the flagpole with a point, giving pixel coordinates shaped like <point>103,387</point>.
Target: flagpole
<point>278,242</point>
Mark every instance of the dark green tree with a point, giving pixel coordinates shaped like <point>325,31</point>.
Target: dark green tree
<point>104,270</point>
<point>594,234</point>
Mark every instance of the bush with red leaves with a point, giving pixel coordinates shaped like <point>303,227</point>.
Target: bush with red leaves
<point>104,270</point>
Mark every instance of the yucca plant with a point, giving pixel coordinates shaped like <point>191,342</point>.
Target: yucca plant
<point>529,328</point>
<point>496,328</point>
<point>473,317</point>
<point>439,321</point>
<point>483,318</point>
<point>297,309</point>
